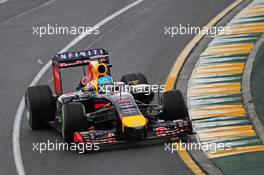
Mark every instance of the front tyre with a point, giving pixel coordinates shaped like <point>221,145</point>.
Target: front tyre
<point>73,120</point>
<point>174,107</point>
<point>39,106</point>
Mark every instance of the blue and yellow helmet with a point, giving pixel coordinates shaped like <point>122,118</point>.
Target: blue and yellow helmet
<point>104,82</point>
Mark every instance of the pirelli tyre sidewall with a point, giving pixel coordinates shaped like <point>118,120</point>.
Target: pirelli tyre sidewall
<point>174,107</point>
<point>39,106</point>
<point>73,120</point>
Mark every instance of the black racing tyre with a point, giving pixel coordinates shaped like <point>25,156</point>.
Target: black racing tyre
<point>73,120</point>
<point>174,107</point>
<point>138,77</point>
<point>142,78</point>
<point>39,106</point>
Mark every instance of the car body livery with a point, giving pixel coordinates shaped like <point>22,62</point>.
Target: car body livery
<point>105,115</point>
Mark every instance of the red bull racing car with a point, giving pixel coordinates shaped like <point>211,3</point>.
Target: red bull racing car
<point>101,110</point>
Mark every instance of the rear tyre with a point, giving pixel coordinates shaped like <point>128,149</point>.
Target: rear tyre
<point>138,78</point>
<point>135,79</point>
<point>174,107</point>
<point>73,120</point>
<point>39,106</point>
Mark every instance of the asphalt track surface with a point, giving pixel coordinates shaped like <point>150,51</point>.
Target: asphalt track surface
<point>136,42</point>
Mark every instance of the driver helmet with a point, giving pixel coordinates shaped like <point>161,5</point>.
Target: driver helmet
<point>105,84</point>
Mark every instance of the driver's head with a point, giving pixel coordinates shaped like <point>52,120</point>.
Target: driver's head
<point>105,84</point>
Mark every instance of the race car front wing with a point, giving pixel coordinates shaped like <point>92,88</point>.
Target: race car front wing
<point>158,130</point>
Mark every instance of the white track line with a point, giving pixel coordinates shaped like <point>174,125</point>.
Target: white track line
<point>17,122</point>
<point>3,1</point>
<point>27,12</point>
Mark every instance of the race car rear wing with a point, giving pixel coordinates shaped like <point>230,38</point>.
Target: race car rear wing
<point>72,59</point>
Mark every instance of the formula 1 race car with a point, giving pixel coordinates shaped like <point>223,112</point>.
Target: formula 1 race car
<point>101,110</point>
